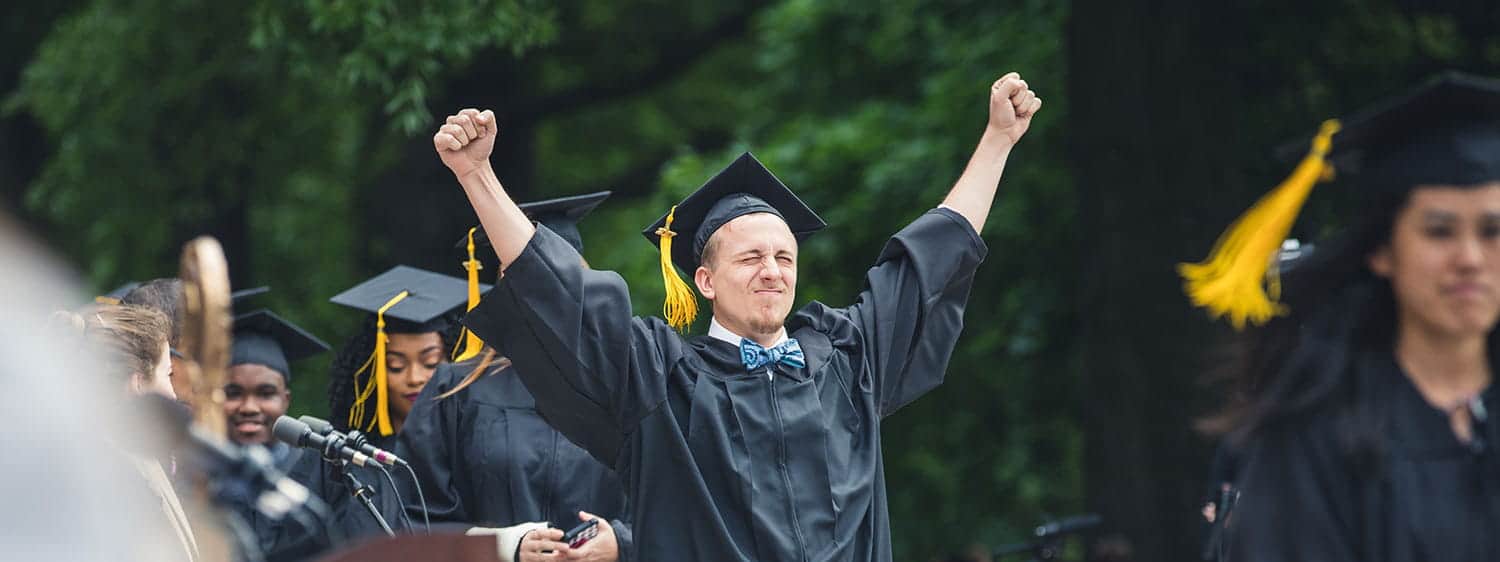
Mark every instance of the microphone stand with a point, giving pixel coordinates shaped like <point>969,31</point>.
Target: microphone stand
<point>360,491</point>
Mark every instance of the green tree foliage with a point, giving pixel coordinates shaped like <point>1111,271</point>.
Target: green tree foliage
<point>258,123</point>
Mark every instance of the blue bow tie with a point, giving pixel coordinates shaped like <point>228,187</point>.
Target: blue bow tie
<point>788,352</point>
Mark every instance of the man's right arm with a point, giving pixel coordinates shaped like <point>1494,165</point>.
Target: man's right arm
<point>464,143</point>
<point>594,370</point>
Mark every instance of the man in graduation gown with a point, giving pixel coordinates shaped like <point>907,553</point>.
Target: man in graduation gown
<point>761,440</point>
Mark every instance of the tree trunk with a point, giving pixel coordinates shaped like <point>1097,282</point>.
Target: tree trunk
<point>1153,142</point>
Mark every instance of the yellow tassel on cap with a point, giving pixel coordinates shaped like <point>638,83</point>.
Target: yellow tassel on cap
<point>377,384</point>
<point>472,344</point>
<point>1232,281</point>
<point>681,306</point>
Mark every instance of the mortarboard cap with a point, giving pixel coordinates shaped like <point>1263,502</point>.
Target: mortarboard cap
<point>430,296</point>
<point>1444,132</point>
<point>263,338</point>
<point>559,215</point>
<point>404,300</point>
<point>242,295</point>
<point>744,187</point>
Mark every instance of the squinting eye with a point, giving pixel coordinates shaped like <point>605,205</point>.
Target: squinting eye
<point>1490,231</point>
<point>1438,231</point>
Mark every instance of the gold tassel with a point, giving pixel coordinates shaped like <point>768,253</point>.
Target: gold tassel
<point>1231,281</point>
<point>377,384</point>
<point>472,343</point>
<point>357,410</point>
<point>681,306</point>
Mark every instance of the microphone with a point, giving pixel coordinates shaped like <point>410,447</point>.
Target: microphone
<point>298,434</point>
<point>322,427</point>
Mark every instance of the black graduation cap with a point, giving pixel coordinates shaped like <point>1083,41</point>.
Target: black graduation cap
<point>743,187</point>
<point>430,296</point>
<point>263,338</point>
<point>559,215</point>
<point>244,294</point>
<point>1444,132</point>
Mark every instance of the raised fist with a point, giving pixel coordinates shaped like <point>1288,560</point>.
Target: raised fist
<point>465,140</point>
<point>1012,105</point>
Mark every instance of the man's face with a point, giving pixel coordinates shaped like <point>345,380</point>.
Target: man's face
<point>254,397</point>
<point>750,274</point>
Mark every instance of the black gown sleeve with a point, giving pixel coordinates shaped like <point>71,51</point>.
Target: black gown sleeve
<point>907,319</point>
<point>624,540</point>
<point>594,369</point>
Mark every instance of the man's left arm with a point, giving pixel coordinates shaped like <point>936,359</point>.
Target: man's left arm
<point>908,318</point>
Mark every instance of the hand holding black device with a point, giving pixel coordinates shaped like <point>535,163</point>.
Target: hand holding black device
<point>581,534</point>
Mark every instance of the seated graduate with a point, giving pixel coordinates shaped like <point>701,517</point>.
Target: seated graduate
<point>760,440</point>
<point>1364,411</point>
<point>485,457</point>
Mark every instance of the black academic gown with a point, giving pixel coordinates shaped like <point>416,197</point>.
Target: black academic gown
<point>288,541</point>
<point>484,457</point>
<point>723,464</point>
<point>1429,498</point>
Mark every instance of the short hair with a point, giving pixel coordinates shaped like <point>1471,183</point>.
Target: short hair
<point>162,295</point>
<point>710,250</point>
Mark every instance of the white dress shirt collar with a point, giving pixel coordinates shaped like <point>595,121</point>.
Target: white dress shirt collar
<point>719,332</point>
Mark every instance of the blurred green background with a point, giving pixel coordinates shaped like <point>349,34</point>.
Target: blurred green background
<point>298,133</point>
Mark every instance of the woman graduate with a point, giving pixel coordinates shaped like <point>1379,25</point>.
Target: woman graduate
<point>1364,411</point>
<point>485,457</point>
<point>761,439</point>
<point>411,324</point>
<point>372,381</point>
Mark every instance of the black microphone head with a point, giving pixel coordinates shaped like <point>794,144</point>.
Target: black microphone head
<point>290,431</point>
<point>318,425</point>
